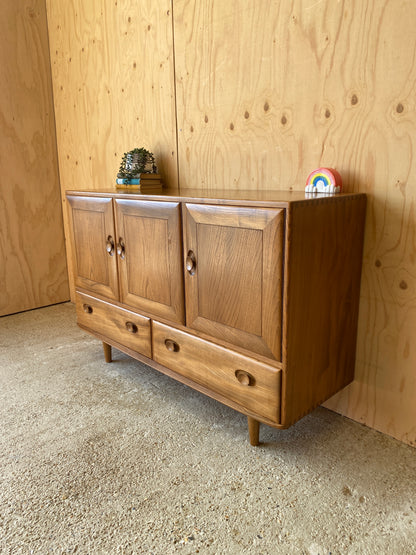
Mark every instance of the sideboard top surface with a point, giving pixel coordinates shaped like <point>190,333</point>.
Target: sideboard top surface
<point>277,198</point>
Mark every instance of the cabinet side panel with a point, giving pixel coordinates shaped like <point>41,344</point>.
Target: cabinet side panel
<point>323,271</point>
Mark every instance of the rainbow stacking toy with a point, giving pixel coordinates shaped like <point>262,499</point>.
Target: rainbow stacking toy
<point>324,180</point>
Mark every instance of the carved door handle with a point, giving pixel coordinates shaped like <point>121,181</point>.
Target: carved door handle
<point>121,248</point>
<point>190,263</point>
<point>87,308</point>
<point>109,246</point>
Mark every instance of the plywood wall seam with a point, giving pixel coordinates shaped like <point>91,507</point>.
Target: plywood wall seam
<point>53,104</point>
<point>175,96</point>
<point>61,196</point>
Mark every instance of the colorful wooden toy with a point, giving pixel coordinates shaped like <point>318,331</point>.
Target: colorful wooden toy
<point>324,180</point>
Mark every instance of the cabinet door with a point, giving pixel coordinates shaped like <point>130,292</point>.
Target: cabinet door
<point>233,278</point>
<point>93,244</point>
<point>150,257</point>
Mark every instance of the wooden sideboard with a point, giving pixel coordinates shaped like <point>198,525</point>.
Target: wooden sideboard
<point>249,297</point>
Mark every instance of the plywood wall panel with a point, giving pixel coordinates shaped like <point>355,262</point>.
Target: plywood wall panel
<point>254,88</point>
<point>382,396</point>
<point>32,251</point>
<point>269,90</point>
<point>112,65</point>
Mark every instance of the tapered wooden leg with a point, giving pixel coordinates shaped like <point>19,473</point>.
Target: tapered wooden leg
<point>253,431</point>
<point>107,352</point>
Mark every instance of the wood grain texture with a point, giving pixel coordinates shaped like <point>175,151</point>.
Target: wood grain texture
<point>269,91</point>
<point>124,326</point>
<point>321,299</point>
<point>33,269</point>
<point>251,80</point>
<point>235,292</point>
<point>214,367</point>
<point>222,296</point>
<point>91,226</point>
<point>151,273</point>
<point>112,69</point>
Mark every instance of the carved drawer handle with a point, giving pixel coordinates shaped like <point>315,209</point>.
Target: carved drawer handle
<point>244,377</point>
<point>87,308</point>
<point>131,327</point>
<point>190,263</point>
<point>171,345</point>
<point>109,246</point>
<point>121,248</point>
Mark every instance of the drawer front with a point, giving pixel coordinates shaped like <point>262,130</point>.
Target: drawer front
<point>245,381</point>
<point>123,326</point>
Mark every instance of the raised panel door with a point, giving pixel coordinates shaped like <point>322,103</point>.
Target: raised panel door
<point>150,257</point>
<point>233,279</point>
<point>94,260</point>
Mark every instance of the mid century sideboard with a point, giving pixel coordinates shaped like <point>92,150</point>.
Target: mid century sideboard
<point>251,298</point>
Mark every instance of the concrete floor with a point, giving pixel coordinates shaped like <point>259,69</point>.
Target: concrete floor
<point>116,458</point>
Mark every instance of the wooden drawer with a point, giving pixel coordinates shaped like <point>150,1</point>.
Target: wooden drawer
<point>118,324</point>
<point>251,384</point>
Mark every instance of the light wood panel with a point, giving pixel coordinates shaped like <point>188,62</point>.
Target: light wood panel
<point>129,328</point>
<point>233,289</point>
<point>270,90</point>
<point>322,287</point>
<point>251,79</point>
<point>150,266</point>
<point>32,251</point>
<point>112,68</point>
<point>251,384</point>
<point>93,236</point>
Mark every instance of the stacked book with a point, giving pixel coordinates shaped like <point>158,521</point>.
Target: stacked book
<point>143,182</point>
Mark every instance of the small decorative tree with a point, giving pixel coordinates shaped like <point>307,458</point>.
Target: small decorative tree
<point>136,162</point>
